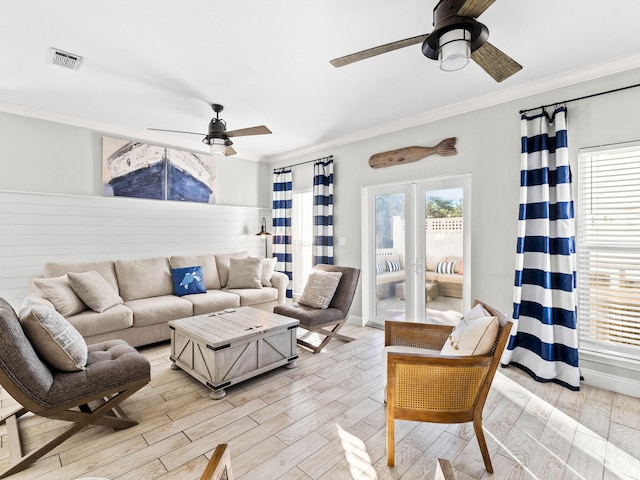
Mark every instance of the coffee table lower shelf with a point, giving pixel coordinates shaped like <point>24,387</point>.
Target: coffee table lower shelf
<point>225,348</point>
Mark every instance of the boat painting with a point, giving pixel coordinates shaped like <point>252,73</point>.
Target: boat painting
<point>141,170</point>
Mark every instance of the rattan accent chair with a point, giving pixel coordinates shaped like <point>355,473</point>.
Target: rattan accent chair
<point>439,389</point>
<point>114,371</point>
<point>326,323</point>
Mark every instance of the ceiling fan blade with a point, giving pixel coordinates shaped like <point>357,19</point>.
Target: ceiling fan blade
<point>372,52</point>
<point>495,62</point>
<point>229,151</point>
<point>261,130</point>
<point>474,8</point>
<point>175,131</point>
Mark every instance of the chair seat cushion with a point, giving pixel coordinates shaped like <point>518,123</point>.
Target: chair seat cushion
<point>109,364</point>
<point>309,317</point>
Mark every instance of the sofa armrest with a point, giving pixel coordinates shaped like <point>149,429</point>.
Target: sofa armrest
<point>280,281</point>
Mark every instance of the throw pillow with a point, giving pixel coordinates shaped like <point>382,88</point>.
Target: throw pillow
<point>475,334</point>
<point>55,340</point>
<point>188,280</point>
<point>320,288</point>
<point>94,290</point>
<point>268,267</point>
<point>59,292</point>
<point>445,267</point>
<point>223,263</point>
<point>379,268</point>
<point>393,265</point>
<point>245,273</point>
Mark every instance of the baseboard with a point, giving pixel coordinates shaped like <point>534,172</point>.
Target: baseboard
<point>355,320</point>
<point>615,383</point>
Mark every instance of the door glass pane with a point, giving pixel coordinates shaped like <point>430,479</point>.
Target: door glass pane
<point>390,256</point>
<point>444,255</point>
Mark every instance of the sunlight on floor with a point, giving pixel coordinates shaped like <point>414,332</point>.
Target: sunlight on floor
<point>355,452</point>
<point>567,432</point>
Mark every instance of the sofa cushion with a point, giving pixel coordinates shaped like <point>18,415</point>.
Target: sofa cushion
<point>319,289</point>
<point>188,280</point>
<point>208,264</point>
<point>222,262</point>
<point>59,292</point>
<point>245,273</point>
<point>55,340</point>
<point>94,290</point>
<point>161,309</point>
<point>212,301</point>
<point>90,323</point>
<point>253,296</point>
<point>150,277</point>
<point>475,334</point>
<point>106,269</point>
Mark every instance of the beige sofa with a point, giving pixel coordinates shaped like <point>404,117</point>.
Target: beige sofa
<point>142,300</point>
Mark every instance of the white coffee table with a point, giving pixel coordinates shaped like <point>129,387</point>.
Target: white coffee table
<point>224,348</point>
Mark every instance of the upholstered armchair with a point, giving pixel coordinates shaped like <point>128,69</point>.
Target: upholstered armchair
<point>326,322</point>
<point>113,371</point>
<point>426,386</point>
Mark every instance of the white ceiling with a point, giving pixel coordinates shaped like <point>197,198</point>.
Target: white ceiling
<point>161,63</point>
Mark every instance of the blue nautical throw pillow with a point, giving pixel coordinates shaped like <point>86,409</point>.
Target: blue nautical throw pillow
<point>188,280</point>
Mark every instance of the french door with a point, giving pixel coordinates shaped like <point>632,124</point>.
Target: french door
<point>416,251</point>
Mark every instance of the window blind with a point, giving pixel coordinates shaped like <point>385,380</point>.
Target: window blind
<point>609,250</point>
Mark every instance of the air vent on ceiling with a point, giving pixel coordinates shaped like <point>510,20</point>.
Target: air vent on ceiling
<point>64,59</point>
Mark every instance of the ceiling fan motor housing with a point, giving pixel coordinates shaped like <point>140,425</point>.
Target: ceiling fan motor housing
<point>445,19</point>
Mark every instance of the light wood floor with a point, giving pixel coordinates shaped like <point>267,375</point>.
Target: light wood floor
<point>326,420</point>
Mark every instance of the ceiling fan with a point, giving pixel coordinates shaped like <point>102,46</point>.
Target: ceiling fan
<point>218,136</point>
<point>456,36</point>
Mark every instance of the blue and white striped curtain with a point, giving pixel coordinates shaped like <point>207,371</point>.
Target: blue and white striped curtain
<point>323,211</point>
<point>544,340</point>
<point>282,202</point>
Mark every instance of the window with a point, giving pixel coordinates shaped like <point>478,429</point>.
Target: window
<point>302,232</point>
<point>609,250</point>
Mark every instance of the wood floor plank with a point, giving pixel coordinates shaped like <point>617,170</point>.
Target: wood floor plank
<point>326,420</point>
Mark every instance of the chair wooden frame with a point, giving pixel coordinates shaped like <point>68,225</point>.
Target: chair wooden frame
<point>329,334</point>
<point>107,413</point>
<point>219,466</point>
<point>415,382</point>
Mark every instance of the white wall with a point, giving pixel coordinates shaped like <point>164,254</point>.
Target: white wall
<point>488,148</point>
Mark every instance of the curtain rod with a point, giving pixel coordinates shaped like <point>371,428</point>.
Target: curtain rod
<point>302,163</point>
<point>581,98</point>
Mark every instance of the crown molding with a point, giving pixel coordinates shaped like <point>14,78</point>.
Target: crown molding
<point>511,94</point>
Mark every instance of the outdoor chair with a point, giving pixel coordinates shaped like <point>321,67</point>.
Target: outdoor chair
<point>325,322</point>
<point>113,372</point>
<point>430,387</point>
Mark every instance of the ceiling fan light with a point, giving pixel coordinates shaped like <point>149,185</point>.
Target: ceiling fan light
<point>454,49</point>
<point>218,145</point>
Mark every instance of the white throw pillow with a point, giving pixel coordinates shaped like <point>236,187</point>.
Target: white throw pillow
<point>475,334</point>
<point>268,267</point>
<point>55,340</point>
<point>320,288</point>
<point>94,290</point>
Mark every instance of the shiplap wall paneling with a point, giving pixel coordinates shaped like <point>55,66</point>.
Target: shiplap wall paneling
<point>40,228</point>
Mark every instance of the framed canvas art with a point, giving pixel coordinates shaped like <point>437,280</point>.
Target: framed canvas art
<point>136,169</point>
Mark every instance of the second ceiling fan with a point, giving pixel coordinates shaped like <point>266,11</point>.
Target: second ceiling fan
<point>218,136</point>
<point>456,36</point>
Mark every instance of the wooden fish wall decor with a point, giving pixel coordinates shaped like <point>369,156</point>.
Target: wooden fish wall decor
<point>411,154</point>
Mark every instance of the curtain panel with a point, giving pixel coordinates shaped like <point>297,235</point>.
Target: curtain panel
<point>544,340</point>
<point>282,208</point>
<point>323,211</point>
